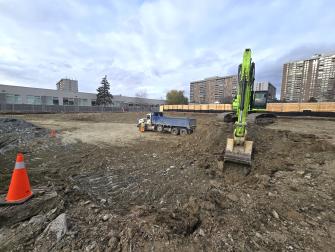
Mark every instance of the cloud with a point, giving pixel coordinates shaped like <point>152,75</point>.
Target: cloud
<point>156,45</point>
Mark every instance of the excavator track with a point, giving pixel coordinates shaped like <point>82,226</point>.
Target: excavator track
<point>228,117</point>
<point>261,118</point>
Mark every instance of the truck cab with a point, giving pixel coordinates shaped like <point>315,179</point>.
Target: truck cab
<point>148,119</point>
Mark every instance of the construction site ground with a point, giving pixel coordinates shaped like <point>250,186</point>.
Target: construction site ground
<point>101,185</point>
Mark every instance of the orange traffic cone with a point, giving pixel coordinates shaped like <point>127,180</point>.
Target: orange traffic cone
<point>53,133</point>
<point>141,128</point>
<point>19,189</point>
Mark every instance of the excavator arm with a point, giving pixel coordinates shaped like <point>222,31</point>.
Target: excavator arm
<point>238,149</point>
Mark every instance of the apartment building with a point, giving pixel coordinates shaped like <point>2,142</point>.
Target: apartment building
<point>310,78</point>
<point>266,86</point>
<point>213,90</point>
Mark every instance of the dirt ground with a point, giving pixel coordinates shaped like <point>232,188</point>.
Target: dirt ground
<point>122,190</point>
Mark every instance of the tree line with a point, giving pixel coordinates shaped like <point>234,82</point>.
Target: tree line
<point>105,98</point>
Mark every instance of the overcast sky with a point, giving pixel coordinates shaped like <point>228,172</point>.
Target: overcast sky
<point>155,45</point>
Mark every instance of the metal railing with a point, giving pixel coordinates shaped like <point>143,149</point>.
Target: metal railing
<point>30,108</point>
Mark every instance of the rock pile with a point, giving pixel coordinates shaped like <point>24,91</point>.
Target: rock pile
<point>15,133</point>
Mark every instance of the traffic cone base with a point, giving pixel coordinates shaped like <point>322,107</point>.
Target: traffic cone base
<point>4,202</point>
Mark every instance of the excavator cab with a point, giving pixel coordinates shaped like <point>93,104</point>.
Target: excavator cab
<point>260,98</point>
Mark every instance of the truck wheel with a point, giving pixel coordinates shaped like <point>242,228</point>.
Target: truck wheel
<point>175,131</point>
<point>160,128</point>
<point>183,132</point>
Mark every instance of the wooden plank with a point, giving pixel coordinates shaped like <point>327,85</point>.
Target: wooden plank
<point>228,107</point>
<point>179,107</point>
<point>204,107</point>
<point>326,107</point>
<point>308,106</point>
<point>220,107</point>
<point>274,107</point>
<point>197,107</point>
<point>212,106</point>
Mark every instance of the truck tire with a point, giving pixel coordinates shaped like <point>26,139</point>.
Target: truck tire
<point>183,132</point>
<point>175,131</point>
<point>160,128</point>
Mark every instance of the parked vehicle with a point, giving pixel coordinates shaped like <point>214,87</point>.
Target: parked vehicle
<point>156,121</point>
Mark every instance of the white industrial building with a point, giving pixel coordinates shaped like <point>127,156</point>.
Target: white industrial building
<point>16,95</point>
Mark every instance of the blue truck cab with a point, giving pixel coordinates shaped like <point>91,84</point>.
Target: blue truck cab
<point>156,121</point>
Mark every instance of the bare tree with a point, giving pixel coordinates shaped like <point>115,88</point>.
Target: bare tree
<point>142,93</point>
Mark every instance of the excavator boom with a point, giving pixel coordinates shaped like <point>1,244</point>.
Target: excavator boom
<point>238,149</point>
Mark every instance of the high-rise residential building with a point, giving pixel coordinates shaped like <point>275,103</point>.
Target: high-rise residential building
<point>213,90</point>
<point>311,78</point>
<point>266,86</point>
<point>67,85</point>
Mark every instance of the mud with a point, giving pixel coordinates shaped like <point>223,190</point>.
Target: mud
<point>172,193</point>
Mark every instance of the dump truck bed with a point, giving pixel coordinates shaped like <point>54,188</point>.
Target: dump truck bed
<point>174,122</point>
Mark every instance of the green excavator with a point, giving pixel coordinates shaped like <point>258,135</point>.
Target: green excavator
<point>246,106</point>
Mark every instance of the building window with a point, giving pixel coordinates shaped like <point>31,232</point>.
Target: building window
<point>13,99</point>
<point>48,100</point>
<point>93,102</point>
<point>68,101</point>
<point>55,101</point>
<point>35,100</point>
<point>83,102</point>
<point>38,100</point>
<point>30,99</point>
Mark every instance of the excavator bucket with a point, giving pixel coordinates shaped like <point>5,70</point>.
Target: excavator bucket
<point>238,153</point>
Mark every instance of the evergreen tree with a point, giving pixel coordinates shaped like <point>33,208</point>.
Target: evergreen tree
<point>104,97</point>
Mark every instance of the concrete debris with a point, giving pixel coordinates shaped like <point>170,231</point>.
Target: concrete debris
<point>91,247</point>
<point>201,232</point>
<point>275,214</point>
<point>37,220</point>
<point>308,176</point>
<point>52,234</point>
<point>232,197</point>
<point>220,165</point>
<point>57,227</point>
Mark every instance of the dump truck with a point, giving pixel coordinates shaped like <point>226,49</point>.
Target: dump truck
<point>156,121</point>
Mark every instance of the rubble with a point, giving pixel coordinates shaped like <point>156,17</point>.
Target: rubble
<point>52,234</point>
<point>161,193</point>
<point>16,133</point>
